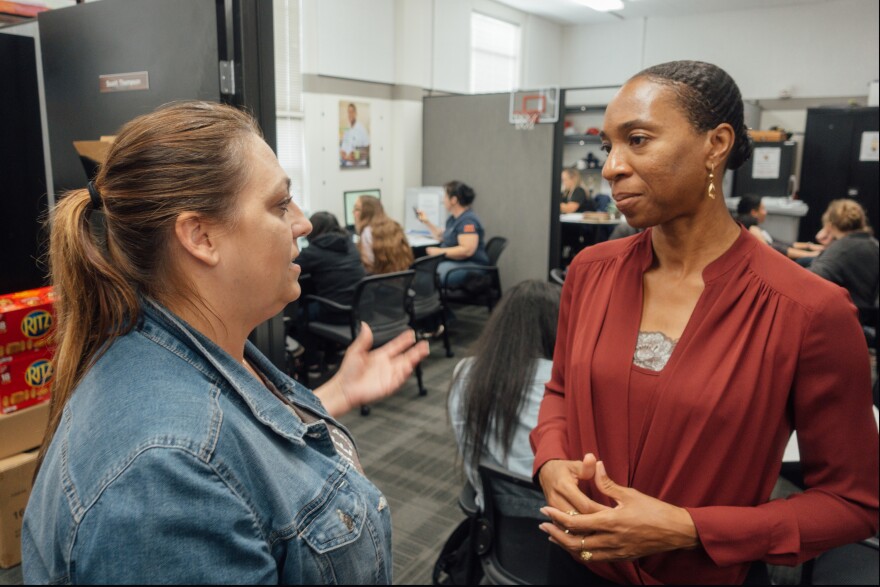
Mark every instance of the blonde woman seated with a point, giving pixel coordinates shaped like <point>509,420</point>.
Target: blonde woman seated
<point>383,244</point>
<point>852,257</point>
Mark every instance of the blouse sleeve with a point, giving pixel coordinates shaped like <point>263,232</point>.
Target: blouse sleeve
<point>366,246</point>
<point>549,438</point>
<point>838,444</point>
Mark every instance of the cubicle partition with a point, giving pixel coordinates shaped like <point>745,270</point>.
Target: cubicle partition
<point>469,138</point>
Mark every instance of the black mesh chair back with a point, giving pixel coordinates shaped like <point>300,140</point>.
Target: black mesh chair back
<point>427,301</point>
<point>382,301</point>
<point>483,286</point>
<point>511,547</point>
<point>494,247</point>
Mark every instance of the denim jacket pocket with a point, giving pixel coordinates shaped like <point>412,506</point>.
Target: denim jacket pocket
<point>342,537</point>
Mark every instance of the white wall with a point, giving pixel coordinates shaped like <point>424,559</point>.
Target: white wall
<point>356,39</point>
<point>811,50</point>
<point>410,43</point>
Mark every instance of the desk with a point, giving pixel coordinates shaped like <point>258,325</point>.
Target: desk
<point>579,218</point>
<point>419,242</point>
<point>783,216</point>
<point>582,229</point>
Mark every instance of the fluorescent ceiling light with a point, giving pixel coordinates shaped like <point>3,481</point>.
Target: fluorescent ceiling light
<point>602,5</point>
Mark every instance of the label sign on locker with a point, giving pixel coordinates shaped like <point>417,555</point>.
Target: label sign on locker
<point>124,82</point>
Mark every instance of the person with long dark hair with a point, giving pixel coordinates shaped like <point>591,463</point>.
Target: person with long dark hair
<point>686,356</point>
<point>495,394</point>
<point>176,451</point>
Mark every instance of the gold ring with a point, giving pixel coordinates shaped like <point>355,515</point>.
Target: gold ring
<point>573,513</point>
<point>582,542</point>
<point>567,531</point>
<point>586,556</point>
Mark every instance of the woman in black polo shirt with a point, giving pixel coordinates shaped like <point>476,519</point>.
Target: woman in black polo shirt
<point>463,239</point>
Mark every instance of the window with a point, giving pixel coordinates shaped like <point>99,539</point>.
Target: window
<point>289,95</point>
<point>495,49</point>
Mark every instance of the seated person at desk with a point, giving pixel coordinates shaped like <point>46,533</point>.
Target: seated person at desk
<point>383,245</point>
<point>334,267</point>
<point>852,258</point>
<point>496,393</point>
<point>462,240</point>
<point>751,213</point>
<point>574,194</point>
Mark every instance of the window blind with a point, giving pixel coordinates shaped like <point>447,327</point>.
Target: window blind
<point>289,95</point>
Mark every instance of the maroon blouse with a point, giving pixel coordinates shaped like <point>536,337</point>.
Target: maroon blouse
<point>769,348</point>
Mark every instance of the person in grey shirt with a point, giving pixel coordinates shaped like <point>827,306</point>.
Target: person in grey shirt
<point>495,394</point>
<point>852,259</point>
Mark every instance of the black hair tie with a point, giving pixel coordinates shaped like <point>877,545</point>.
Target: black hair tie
<point>97,202</point>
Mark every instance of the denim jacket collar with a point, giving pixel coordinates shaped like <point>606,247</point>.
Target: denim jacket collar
<point>169,330</point>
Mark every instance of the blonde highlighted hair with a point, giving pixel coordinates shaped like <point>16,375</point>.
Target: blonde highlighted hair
<point>391,250</point>
<point>846,215</point>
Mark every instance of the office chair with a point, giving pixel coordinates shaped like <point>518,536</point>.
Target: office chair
<point>511,547</point>
<point>557,275</point>
<point>382,301</point>
<point>484,285</point>
<point>428,301</point>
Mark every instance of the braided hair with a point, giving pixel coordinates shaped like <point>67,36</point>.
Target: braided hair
<point>709,97</point>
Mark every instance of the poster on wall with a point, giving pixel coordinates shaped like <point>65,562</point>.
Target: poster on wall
<point>354,135</point>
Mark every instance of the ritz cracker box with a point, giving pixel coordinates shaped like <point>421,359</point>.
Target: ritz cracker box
<point>26,320</point>
<point>25,379</point>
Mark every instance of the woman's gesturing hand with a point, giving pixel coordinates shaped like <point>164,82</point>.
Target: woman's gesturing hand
<point>639,525</point>
<point>368,375</point>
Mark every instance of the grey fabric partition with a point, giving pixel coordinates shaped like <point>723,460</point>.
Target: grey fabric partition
<point>469,138</point>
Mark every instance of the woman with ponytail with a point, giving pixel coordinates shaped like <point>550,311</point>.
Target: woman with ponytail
<point>176,452</point>
<point>685,357</point>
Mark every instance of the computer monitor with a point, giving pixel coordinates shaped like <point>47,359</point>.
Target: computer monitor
<point>428,200</point>
<point>351,197</point>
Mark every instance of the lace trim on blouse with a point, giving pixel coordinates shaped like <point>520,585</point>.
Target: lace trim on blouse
<point>653,350</point>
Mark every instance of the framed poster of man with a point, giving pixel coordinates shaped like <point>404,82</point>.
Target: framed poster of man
<point>354,134</point>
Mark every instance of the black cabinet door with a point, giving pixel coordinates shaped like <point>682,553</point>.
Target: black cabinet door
<point>23,195</point>
<point>831,166</point>
<point>174,42</point>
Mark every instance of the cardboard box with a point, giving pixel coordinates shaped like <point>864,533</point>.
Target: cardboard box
<point>25,379</point>
<point>16,474</point>
<point>768,136</point>
<point>92,154</point>
<point>23,429</point>
<point>27,319</point>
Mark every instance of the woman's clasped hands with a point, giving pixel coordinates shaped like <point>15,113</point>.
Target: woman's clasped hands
<point>638,525</point>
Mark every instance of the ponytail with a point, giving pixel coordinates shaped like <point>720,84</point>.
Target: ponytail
<point>94,302</point>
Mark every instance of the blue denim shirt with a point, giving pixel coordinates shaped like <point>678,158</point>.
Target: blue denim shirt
<point>173,464</point>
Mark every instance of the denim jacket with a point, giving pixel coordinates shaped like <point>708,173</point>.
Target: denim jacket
<point>173,464</point>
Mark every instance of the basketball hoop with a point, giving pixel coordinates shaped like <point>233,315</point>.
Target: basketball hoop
<point>526,120</point>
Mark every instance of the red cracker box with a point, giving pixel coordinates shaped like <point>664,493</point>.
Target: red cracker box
<point>26,320</point>
<point>25,379</point>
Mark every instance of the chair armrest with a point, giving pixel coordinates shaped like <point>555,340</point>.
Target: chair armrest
<point>467,500</point>
<point>326,302</point>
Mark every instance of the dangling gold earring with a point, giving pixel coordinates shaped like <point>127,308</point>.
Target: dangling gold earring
<point>712,183</point>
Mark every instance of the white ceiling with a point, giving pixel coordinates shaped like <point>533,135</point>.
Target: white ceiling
<point>570,12</point>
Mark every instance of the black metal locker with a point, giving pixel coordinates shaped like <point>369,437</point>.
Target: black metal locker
<point>832,167</point>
